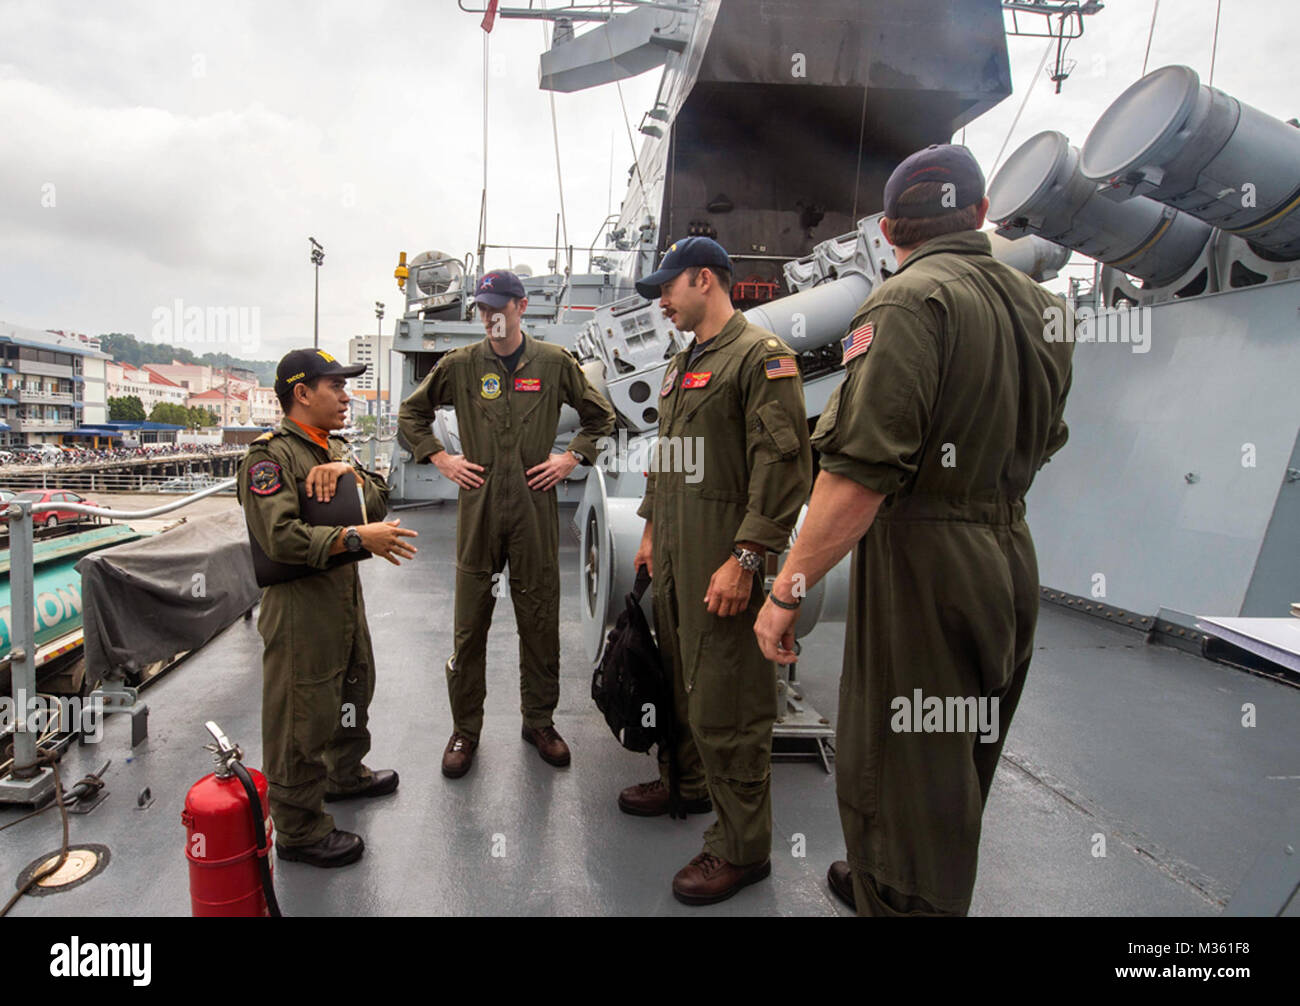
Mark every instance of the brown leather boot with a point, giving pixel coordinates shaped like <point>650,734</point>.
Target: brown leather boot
<point>840,880</point>
<point>708,879</point>
<point>550,745</point>
<point>458,756</point>
<point>650,799</point>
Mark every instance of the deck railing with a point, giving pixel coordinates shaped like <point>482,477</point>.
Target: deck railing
<point>27,781</point>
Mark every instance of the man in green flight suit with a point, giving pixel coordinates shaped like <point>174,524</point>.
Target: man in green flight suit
<point>318,671</point>
<point>734,399</point>
<point>507,392</point>
<point>952,400</point>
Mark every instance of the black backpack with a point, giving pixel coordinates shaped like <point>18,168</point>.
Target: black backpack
<point>630,684</point>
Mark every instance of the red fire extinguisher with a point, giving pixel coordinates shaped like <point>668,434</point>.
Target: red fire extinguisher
<point>228,837</point>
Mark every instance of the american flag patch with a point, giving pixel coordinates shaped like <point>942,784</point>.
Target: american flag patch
<point>781,366</point>
<point>696,380</point>
<point>857,342</point>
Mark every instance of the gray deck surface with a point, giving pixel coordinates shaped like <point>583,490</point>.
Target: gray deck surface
<point>1140,743</point>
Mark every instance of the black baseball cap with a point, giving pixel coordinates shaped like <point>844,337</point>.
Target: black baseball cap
<point>496,288</point>
<point>939,162</point>
<point>683,255</point>
<point>308,364</point>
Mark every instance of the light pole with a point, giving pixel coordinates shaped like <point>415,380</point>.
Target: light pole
<point>317,259</point>
<point>379,374</point>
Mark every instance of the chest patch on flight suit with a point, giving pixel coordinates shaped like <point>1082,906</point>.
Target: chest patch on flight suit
<point>857,342</point>
<point>668,383</point>
<point>780,366</point>
<point>491,386</point>
<point>696,380</point>
<point>528,384</point>
<point>264,478</point>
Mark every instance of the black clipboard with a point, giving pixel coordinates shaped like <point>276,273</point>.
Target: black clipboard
<point>345,509</point>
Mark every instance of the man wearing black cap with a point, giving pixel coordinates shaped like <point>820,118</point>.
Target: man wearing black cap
<point>736,393</point>
<point>318,671</point>
<point>507,392</point>
<point>952,400</point>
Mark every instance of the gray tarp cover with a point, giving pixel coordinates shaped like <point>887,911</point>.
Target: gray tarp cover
<point>146,600</point>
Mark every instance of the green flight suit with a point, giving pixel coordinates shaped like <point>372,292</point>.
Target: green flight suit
<point>507,424</point>
<point>741,405</point>
<point>318,671</point>
<point>950,411</point>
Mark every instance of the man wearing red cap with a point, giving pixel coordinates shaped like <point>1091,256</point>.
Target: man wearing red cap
<point>952,400</point>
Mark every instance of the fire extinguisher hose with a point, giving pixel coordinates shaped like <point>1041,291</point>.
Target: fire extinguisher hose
<point>259,829</point>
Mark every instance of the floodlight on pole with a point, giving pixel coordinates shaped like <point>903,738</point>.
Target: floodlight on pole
<point>317,259</point>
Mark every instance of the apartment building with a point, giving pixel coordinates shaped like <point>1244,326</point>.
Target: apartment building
<point>51,384</point>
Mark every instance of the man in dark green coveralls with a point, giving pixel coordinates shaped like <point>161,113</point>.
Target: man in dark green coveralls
<point>735,398</point>
<point>951,402</point>
<point>507,392</point>
<point>318,671</point>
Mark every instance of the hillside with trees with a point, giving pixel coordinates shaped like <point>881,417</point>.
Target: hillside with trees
<point>125,348</point>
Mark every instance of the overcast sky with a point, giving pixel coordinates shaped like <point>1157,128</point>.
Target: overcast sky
<point>155,151</point>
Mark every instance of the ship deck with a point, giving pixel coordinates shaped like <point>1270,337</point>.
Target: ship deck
<point>1142,744</point>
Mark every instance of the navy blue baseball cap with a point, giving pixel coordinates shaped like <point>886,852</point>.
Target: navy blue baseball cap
<point>309,364</point>
<point>948,163</point>
<point>496,288</point>
<point>683,255</point>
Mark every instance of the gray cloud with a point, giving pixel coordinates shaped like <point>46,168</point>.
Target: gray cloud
<point>193,146</point>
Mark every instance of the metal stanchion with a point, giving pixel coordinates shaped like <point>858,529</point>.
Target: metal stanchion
<point>27,782</point>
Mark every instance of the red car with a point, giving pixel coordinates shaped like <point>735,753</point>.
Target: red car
<point>53,518</point>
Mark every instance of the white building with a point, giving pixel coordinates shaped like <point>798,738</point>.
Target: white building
<point>51,383</point>
<point>264,407</point>
<point>368,349</point>
<point>146,383</point>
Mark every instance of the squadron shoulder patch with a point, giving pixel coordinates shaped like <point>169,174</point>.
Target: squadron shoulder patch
<point>858,341</point>
<point>491,386</point>
<point>696,380</point>
<point>528,384</point>
<point>264,478</point>
<point>668,383</point>
<point>781,366</point>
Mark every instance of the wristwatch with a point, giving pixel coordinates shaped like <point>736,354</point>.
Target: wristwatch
<point>352,540</point>
<point>750,561</point>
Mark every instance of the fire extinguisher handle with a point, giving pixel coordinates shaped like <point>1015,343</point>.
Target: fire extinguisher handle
<point>225,752</point>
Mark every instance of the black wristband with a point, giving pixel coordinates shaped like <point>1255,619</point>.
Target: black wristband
<point>787,605</point>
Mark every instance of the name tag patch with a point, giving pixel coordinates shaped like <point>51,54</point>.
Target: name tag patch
<point>696,380</point>
<point>528,384</point>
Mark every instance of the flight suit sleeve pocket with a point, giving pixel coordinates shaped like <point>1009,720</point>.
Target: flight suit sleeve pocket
<point>775,422</point>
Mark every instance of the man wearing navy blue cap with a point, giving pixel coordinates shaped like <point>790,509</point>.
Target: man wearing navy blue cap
<point>736,393</point>
<point>507,392</point>
<point>952,400</point>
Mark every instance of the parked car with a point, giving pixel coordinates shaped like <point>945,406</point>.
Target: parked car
<point>53,518</point>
